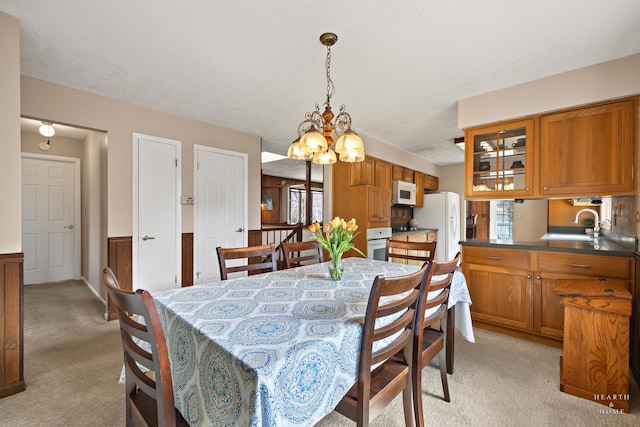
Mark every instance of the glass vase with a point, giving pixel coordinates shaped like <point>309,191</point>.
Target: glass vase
<point>336,268</point>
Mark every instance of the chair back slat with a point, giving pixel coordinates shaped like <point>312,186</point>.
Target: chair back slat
<point>412,251</point>
<point>300,253</point>
<point>390,296</point>
<point>265,253</point>
<point>149,394</point>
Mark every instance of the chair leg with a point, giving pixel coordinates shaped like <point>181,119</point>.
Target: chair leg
<point>408,407</point>
<point>443,374</point>
<point>416,386</point>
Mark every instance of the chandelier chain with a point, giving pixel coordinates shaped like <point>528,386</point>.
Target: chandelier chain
<point>330,87</point>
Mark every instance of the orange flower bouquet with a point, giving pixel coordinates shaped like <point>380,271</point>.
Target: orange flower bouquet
<point>335,238</point>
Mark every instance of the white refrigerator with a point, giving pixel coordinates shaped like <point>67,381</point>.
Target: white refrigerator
<point>442,211</point>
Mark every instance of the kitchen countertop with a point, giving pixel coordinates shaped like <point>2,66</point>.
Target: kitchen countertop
<point>605,246</point>
<point>396,232</point>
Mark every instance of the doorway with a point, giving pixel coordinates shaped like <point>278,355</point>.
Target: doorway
<point>87,147</point>
<point>478,219</point>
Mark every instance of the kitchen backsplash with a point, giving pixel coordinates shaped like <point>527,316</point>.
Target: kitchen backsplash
<point>400,216</point>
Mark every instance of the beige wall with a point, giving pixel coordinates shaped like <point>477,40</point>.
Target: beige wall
<point>61,104</point>
<point>529,220</point>
<point>608,80</point>
<point>94,208</point>
<point>10,220</point>
<point>60,146</point>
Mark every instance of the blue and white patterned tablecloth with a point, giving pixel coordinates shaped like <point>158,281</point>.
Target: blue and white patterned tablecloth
<point>274,349</point>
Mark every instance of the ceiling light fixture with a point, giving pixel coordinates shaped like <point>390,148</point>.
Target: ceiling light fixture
<point>315,134</point>
<point>459,142</point>
<point>46,129</point>
<point>45,146</point>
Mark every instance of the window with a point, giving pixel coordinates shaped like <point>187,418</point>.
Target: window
<point>504,219</point>
<point>298,205</point>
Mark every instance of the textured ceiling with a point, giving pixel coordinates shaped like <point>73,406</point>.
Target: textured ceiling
<point>258,66</point>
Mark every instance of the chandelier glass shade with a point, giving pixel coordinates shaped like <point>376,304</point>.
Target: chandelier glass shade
<point>46,129</point>
<point>317,131</point>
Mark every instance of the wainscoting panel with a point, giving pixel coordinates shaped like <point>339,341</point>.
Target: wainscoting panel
<point>120,257</point>
<point>11,324</point>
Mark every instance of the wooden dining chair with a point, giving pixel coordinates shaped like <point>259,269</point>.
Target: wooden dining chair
<point>409,252</point>
<point>265,259</point>
<point>428,334</point>
<point>300,253</point>
<point>149,394</point>
<point>376,388</point>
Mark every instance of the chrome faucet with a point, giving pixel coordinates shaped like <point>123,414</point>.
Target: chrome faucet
<point>596,227</point>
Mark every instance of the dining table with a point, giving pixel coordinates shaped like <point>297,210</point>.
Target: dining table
<point>278,348</point>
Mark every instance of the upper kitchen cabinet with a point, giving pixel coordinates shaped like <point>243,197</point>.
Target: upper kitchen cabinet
<point>589,151</point>
<point>431,182</point>
<point>579,152</point>
<point>361,173</point>
<point>498,160</point>
<point>402,174</point>
<point>418,178</point>
<point>382,174</point>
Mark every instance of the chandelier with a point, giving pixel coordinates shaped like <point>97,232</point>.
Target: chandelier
<point>315,134</point>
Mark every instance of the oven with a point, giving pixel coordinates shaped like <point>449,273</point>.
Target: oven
<point>377,242</point>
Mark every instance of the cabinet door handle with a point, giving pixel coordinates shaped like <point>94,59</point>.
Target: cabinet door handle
<point>528,276</point>
<point>580,265</point>
<point>495,258</point>
<point>538,277</point>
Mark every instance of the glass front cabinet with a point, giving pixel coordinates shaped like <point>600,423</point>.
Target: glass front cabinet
<point>499,161</point>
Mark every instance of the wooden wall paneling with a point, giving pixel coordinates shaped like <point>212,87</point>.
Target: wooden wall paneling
<point>187,259</point>
<point>11,324</point>
<point>120,260</point>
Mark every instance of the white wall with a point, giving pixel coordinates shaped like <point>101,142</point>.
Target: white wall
<point>608,80</point>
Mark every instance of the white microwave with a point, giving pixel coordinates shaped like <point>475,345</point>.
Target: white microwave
<point>404,193</point>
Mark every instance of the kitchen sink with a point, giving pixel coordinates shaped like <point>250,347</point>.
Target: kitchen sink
<point>567,236</point>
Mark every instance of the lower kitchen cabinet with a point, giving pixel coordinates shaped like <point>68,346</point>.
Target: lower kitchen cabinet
<point>513,289</point>
<point>430,236</point>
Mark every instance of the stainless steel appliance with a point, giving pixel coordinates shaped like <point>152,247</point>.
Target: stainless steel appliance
<point>377,242</point>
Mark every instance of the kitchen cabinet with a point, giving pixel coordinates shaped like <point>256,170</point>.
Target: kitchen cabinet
<point>382,174</point>
<point>589,151</point>
<point>431,182</point>
<point>586,151</point>
<point>362,173</point>
<point>501,286</point>
<point>419,180</point>
<point>513,289</point>
<point>402,174</point>
<point>379,207</point>
<point>595,360</point>
<point>429,236</point>
<point>499,160</point>
<point>635,325</point>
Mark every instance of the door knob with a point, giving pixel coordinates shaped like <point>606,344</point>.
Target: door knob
<point>70,226</point>
<point>240,230</point>
<point>145,237</point>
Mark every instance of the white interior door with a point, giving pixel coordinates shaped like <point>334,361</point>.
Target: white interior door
<point>220,207</point>
<point>50,218</point>
<point>157,213</point>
